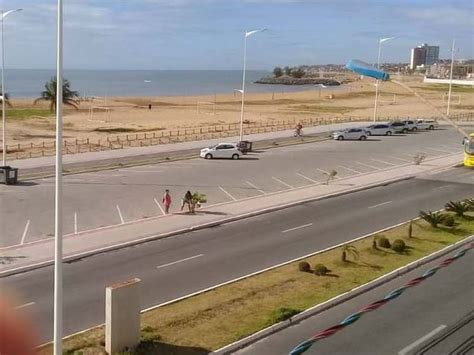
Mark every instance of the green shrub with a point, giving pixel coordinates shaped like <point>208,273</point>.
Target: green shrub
<point>320,269</point>
<point>304,266</point>
<point>433,218</point>
<point>449,221</point>
<point>383,242</point>
<point>399,246</point>
<point>282,314</point>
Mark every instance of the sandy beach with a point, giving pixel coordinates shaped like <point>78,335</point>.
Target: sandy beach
<point>117,115</point>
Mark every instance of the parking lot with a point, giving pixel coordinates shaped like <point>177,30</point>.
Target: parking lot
<point>110,197</point>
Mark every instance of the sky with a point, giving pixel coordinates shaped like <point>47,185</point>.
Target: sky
<point>209,34</point>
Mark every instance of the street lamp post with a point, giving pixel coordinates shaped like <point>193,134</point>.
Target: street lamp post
<point>4,145</point>
<point>247,34</point>
<point>58,218</point>
<point>381,40</point>
<point>450,79</point>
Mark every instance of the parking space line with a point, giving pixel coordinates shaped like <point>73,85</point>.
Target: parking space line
<point>120,214</point>
<point>308,178</point>
<point>75,222</point>
<point>438,150</point>
<point>349,169</point>
<point>367,165</point>
<point>25,231</point>
<point>255,187</point>
<point>296,228</point>
<point>24,305</point>
<point>410,347</point>
<point>179,261</point>
<point>380,204</point>
<point>159,206</point>
<point>282,182</point>
<point>401,159</point>
<point>383,162</point>
<point>228,194</point>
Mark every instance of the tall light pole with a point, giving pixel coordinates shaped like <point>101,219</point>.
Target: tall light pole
<point>247,34</point>
<point>4,121</point>
<point>381,40</point>
<point>58,218</point>
<point>450,78</point>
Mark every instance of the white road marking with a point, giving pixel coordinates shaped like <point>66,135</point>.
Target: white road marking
<point>401,159</point>
<point>75,222</point>
<point>437,150</point>
<point>443,187</point>
<point>25,231</point>
<point>308,178</point>
<point>120,214</point>
<point>296,228</point>
<point>179,261</point>
<point>421,340</point>
<point>381,204</point>
<point>282,182</point>
<point>383,162</point>
<point>228,194</point>
<point>349,169</point>
<point>159,206</point>
<point>24,305</point>
<point>255,187</point>
<point>367,165</point>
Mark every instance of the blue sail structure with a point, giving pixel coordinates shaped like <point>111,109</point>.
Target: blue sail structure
<point>365,69</point>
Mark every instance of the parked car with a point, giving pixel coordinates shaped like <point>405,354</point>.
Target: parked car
<point>350,133</point>
<point>427,124</point>
<point>379,130</point>
<point>222,150</point>
<point>411,125</point>
<point>399,127</point>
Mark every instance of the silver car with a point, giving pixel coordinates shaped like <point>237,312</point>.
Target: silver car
<point>350,133</point>
<point>379,130</point>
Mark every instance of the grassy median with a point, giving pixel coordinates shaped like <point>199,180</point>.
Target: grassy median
<point>213,319</point>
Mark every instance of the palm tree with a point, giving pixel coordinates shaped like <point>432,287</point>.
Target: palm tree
<point>433,218</point>
<point>459,208</point>
<point>70,97</point>
<point>350,249</point>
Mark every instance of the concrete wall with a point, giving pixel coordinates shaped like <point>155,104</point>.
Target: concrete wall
<point>446,81</point>
<point>122,316</point>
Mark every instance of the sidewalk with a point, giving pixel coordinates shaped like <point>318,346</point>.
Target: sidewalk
<point>168,148</point>
<point>37,254</point>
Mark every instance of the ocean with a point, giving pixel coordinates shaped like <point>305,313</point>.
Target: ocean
<point>28,83</point>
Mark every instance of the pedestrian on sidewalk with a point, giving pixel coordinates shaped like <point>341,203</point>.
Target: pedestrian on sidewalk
<point>188,196</point>
<point>167,201</point>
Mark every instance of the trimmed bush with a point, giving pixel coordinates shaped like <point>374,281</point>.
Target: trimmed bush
<point>320,269</point>
<point>449,221</point>
<point>304,266</point>
<point>399,246</point>
<point>283,313</point>
<point>383,242</point>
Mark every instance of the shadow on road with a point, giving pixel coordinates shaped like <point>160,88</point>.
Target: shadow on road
<point>157,348</point>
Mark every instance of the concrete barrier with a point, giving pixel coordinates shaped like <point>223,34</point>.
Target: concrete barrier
<point>122,316</point>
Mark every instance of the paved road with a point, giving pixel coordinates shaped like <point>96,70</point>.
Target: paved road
<point>112,197</point>
<point>400,327</point>
<point>201,259</point>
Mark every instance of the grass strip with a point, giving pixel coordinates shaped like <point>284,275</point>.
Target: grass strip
<point>215,318</point>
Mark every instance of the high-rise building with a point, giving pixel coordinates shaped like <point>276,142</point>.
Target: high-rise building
<point>424,54</point>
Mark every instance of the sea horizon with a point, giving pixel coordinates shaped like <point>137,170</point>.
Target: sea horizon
<point>28,83</point>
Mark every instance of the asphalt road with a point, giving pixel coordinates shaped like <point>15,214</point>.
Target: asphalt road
<point>104,198</point>
<point>402,326</point>
<point>187,263</point>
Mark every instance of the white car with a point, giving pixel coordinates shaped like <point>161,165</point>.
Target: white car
<point>427,124</point>
<point>411,125</point>
<point>222,150</point>
<point>379,130</point>
<point>350,133</point>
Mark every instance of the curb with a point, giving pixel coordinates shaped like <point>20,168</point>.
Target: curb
<point>71,258</point>
<point>264,333</point>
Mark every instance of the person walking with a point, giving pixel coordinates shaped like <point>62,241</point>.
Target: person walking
<point>167,201</point>
<point>187,199</point>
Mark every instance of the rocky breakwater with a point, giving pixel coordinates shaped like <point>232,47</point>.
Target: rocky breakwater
<point>288,80</point>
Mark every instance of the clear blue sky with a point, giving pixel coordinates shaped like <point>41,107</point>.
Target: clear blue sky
<point>208,34</point>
